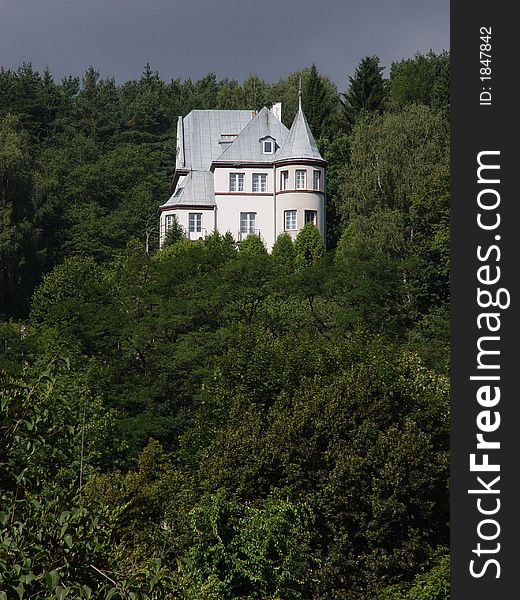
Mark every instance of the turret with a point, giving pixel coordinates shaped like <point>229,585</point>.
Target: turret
<point>300,180</point>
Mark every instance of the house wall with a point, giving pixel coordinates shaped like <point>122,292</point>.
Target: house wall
<point>231,204</point>
<point>221,178</point>
<point>208,221</point>
<point>269,207</point>
<point>292,168</point>
<point>230,207</point>
<point>299,201</point>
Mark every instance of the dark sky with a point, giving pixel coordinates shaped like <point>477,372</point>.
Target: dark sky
<point>234,38</point>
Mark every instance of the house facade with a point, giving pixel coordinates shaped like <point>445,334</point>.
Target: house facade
<point>245,173</point>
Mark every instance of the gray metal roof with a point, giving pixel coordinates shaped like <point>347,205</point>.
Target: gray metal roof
<point>200,137</point>
<point>248,146</point>
<point>197,189</point>
<point>207,136</point>
<point>300,143</point>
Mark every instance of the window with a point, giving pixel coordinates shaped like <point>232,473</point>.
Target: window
<point>178,192</point>
<point>311,216</point>
<point>290,220</point>
<point>284,180</point>
<point>316,176</point>
<point>236,182</point>
<point>169,221</point>
<point>301,177</point>
<point>195,222</point>
<point>247,222</point>
<point>259,182</point>
<point>227,138</point>
<point>268,146</point>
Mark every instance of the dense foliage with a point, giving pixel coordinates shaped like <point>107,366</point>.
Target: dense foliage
<point>211,421</point>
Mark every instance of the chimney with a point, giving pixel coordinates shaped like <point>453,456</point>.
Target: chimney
<point>277,110</point>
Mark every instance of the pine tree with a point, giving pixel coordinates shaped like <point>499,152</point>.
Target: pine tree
<point>308,246</point>
<point>283,251</point>
<point>174,234</point>
<point>367,90</point>
<point>253,245</point>
<point>317,103</point>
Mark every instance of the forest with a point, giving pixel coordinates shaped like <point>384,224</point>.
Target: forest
<point>208,421</point>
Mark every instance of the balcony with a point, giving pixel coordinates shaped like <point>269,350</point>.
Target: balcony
<point>199,234</point>
<point>249,231</point>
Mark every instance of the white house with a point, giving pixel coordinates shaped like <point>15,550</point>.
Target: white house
<point>245,173</point>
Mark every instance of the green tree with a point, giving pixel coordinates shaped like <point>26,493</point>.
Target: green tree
<point>135,503</point>
<point>319,104</point>
<point>308,246</point>
<point>361,437</point>
<point>51,543</point>
<point>371,265</point>
<point>77,299</point>
<point>283,252</point>
<point>44,537</point>
<point>111,199</point>
<point>174,234</point>
<point>432,585</point>
<point>423,79</point>
<point>390,273</point>
<point>286,92</point>
<point>366,92</point>
<point>247,551</point>
<point>256,93</point>
<point>252,245</point>
<point>391,157</point>
<point>231,96</point>
<point>96,106</point>
<point>19,267</point>
<point>146,105</point>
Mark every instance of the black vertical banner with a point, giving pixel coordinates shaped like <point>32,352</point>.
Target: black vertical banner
<point>485,445</point>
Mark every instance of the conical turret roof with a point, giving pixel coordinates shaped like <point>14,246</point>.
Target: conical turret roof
<point>300,143</point>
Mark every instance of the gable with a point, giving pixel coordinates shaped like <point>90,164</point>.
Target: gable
<point>248,146</point>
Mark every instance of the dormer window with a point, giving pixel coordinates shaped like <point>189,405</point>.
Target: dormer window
<point>268,146</point>
<point>227,138</point>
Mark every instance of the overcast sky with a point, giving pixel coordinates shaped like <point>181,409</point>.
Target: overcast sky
<point>233,38</point>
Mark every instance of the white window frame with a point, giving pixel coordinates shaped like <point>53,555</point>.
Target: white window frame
<point>169,221</point>
<point>290,217</point>
<point>301,179</point>
<point>316,180</point>
<point>284,180</point>
<point>259,183</point>
<point>264,146</point>
<point>247,222</point>
<point>236,182</point>
<point>196,225</point>
<point>314,220</point>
